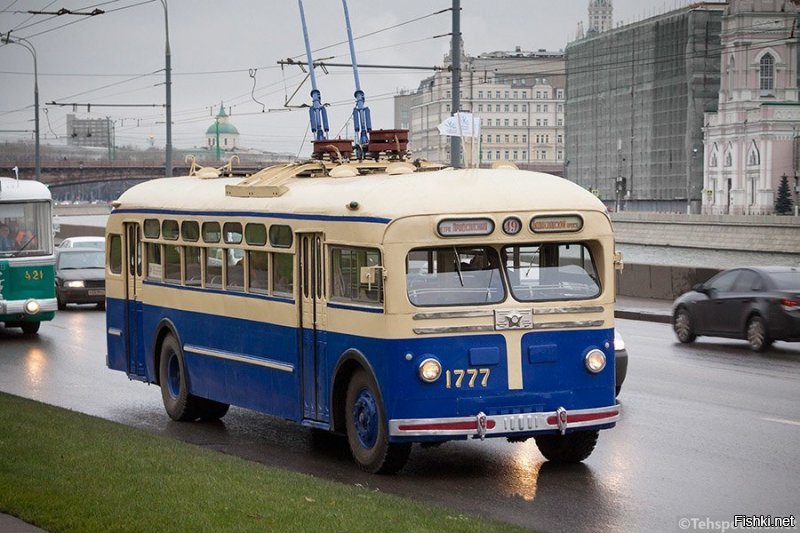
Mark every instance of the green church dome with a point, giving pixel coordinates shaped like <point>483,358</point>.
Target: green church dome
<point>224,128</point>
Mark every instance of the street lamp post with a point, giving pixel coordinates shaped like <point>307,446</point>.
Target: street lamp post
<point>168,70</point>
<point>28,46</point>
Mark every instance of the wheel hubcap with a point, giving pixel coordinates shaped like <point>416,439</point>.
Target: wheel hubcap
<point>365,418</point>
<point>756,334</point>
<point>682,325</point>
<point>174,376</point>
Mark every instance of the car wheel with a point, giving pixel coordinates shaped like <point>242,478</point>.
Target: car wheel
<point>682,324</point>
<point>30,328</point>
<point>101,306</point>
<point>757,334</point>
<point>179,404</point>
<point>367,432</point>
<point>569,448</point>
<point>61,304</point>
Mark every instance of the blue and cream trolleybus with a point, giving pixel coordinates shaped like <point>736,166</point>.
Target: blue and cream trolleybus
<point>389,301</point>
<point>27,282</point>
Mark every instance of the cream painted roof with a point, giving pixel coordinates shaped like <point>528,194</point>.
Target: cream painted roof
<point>378,195</point>
<point>13,190</point>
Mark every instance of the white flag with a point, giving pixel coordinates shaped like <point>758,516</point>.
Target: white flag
<point>461,125</point>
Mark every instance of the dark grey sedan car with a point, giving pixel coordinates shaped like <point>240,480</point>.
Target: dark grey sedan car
<point>759,304</point>
<point>80,277</point>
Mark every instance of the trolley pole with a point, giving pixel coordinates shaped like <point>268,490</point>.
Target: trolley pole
<point>455,56</point>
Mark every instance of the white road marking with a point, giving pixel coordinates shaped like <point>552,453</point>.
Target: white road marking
<point>782,421</point>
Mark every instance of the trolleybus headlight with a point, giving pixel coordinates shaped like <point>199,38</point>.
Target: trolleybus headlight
<point>595,361</point>
<point>73,284</point>
<point>32,307</point>
<point>430,370</point>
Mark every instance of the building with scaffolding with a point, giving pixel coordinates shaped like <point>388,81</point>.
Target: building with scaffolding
<point>636,98</point>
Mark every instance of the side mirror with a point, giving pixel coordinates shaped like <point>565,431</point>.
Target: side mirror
<point>699,287</point>
<point>369,275</point>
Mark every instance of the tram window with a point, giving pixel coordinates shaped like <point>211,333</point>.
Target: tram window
<point>282,273</point>
<point>234,280</point>
<point>190,230</point>
<point>169,228</point>
<point>152,228</point>
<point>115,254</point>
<point>346,266</point>
<point>257,271</point>
<point>211,232</point>
<point>172,264</point>
<point>552,271</point>
<point>454,275</point>
<point>214,260</point>
<point>232,232</point>
<point>280,236</point>
<point>154,269</point>
<point>255,234</point>
<point>192,272</point>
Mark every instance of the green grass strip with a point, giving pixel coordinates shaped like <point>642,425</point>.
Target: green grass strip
<point>66,471</point>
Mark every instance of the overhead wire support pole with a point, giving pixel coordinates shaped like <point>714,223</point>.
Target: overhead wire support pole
<point>20,41</point>
<point>455,56</point>
<point>168,70</point>
<point>317,113</point>
<point>362,121</point>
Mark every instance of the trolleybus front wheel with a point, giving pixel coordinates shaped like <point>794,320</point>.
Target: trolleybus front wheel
<point>367,432</point>
<point>569,448</point>
<point>179,404</point>
<point>30,328</point>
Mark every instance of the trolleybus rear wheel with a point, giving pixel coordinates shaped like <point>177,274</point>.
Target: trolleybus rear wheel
<point>569,448</point>
<point>179,404</point>
<point>367,432</point>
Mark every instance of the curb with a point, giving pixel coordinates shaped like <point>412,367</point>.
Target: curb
<point>645,316</point>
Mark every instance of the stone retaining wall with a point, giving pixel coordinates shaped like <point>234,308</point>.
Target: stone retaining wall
<point>660,281</point>
<point>725,232</point>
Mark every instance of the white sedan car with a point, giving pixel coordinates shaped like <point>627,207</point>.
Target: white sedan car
<point>83,242</point>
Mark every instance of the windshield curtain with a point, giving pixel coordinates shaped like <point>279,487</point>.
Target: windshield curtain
<point>552,271</point>
<point>26,229</point>
<point>454,275</point>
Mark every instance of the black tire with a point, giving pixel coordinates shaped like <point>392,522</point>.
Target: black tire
<point>569,448</point>
<point>179,404</point>
<point>61,305</point>
<point>367,431</point>
<point>30,328</point>
<point>617,390</point>
<point>756,334</point>
<point>682,325</point>
<point>211,409</point>
<point>101,306</point>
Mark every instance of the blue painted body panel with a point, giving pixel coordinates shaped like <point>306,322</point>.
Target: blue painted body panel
<point>553,370</point>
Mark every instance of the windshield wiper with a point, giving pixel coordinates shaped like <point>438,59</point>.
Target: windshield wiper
<point>24,246</point>
<point>458,266</point>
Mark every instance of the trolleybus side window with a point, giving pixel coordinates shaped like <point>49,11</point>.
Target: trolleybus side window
<point>154,268</point>
<point>190,230</point>
<point>280,236</point>
<point>346,265</point>
<point>152,228</point>
<point>552,271</point>
<point>172,263</point>
<point>454,275</point>
<point>257,271</point>
<point>282,273</point>
<point>170,230</point>
<point>255,234</point>
<point>214,260</point>
<point>192,273</point>
<point>115,254</point>
<point>211,232</point>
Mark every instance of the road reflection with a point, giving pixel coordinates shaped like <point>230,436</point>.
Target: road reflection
<point>35,366</point>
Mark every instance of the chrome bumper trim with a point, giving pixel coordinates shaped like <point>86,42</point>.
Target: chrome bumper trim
<point>488,425</point>
<point>16,307</point>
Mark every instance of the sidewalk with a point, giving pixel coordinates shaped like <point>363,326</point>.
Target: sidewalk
<point>11,524</point>
<point>646,309</point>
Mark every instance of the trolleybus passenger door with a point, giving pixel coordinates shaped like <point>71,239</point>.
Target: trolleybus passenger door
<point>313,325</point>
<point>133,304</point>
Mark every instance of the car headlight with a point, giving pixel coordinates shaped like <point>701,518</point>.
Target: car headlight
<point>32,307</point>
<point>619,344</point>
<point>595,361</point>
<point>429,370</point>
<point>73,284</point>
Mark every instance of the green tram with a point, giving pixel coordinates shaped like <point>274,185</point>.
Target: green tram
<point>27,263</point>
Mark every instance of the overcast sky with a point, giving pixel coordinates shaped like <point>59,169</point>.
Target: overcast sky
<point>118,58</point>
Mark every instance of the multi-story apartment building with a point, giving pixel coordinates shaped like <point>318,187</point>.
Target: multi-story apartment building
<point>89,131</point>
<point>519,97</point>
<point>753,140</point>
<point>636,96</point>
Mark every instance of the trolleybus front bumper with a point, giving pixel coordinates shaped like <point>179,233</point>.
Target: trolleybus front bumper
<point>20,308</point>
<point>482,425</point>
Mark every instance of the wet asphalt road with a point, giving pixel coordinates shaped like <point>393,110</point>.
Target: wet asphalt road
<point>708,430</point>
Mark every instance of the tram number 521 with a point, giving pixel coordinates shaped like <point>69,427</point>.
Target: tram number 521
<point>456,378</point>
